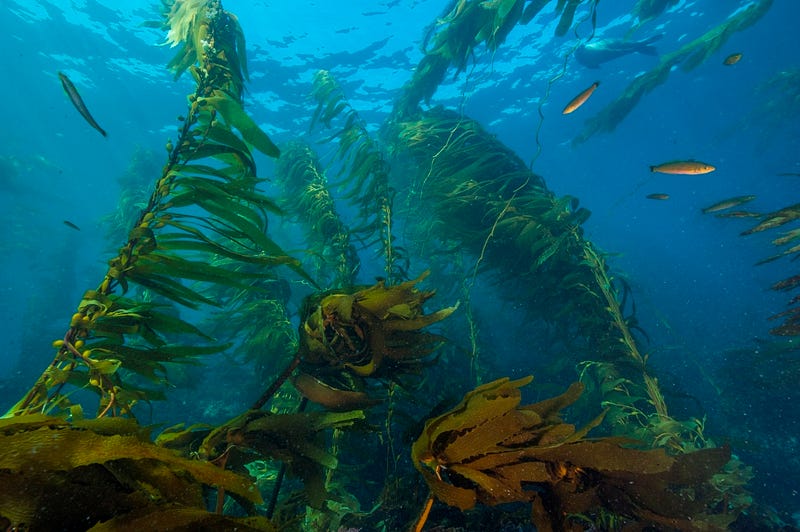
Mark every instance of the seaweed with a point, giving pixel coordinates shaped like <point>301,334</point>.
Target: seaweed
<point>453,38</point>
<point>374,332</point>
<point>105,473</point>
<point>210,168</point>
<point>488,449</point>
<point>368,172</point>
<point>688,57</point>
<point>363,355</point>
<point>307,197</point>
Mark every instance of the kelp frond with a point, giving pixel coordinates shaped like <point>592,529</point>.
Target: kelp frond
<point>107,472</point>
<point>204,206</point>
<point>365,168</point>
<point>688,57</point>
<point>374,332</point>
<point>454,37</point>
<point>307,198</point>
<point>488,449</point>
<point>205,29</point>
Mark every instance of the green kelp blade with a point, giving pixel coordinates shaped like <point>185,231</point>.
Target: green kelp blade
<point>178,242</point>
<point>233,113</point>
<point>167,323</point>
<point>221,134</point>
<point>169,288</point>
<point>219,151</point>
<point>196,270</point>
<point>149,362</point>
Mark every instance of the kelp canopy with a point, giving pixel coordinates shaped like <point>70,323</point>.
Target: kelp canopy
<point>370,369</point>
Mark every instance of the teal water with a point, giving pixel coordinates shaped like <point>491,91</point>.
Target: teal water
<point>700,297</point>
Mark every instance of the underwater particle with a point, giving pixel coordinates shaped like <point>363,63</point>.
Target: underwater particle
<point>580,99</point>
<point>683,168</point>
<point>658,196</point>
<point>732,59</point>
<point>72,225</point>
<point>77,101</point>
<point>728,203</point>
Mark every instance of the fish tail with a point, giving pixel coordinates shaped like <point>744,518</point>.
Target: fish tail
<point>652,168</point>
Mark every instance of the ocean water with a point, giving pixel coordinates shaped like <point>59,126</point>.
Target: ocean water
<point>700,297</point>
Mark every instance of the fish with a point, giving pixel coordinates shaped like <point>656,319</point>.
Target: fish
<point>775,219</point>
<point>732,59</point>
<point>72,225</point>
<point>580,99</point>
<point>739,214</point>
<point>658,196</point>
<point>683,167</point>
<point>728,203</point>
<point>787,237</point>
<point>77,101</point>
<point>595,53</point>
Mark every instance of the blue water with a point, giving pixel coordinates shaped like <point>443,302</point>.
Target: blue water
<point>698,292</point>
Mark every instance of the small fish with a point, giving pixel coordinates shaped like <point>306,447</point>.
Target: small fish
<point>789,174</point>
<point>787,237</point>
<point>683,167</point>
<point>732,59</point>
<point>72,225</point>
<point>728,203</point>
<point>775,219</point>
<point>738,214</point>
<point>580,99</point>
<point>76,100</point>
<point>658,196</point>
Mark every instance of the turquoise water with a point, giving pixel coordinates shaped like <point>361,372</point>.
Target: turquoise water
<point>699,296</point>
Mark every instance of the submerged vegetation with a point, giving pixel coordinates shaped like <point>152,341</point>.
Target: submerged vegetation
<point>359,391</point>
<point>687,57</point>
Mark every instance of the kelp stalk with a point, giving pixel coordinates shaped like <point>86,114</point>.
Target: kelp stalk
<point>224,188</point>
<point>689,56</point>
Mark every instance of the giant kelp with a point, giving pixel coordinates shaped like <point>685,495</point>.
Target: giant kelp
<point>83,473</point>
<point>307,197</point>
<point>366,169</point>
<point>209,167</point>
<point>688,57</point>
<point>202,241</point>
<point>488,449</point>
<point>452,39</point>
<point>374,332</point>
<point>484,197</point>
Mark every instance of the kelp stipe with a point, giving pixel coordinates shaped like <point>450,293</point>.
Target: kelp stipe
<point>209,167</point>
<point>308,199</point>
<point>688,57</point>
<point>366,172</point>
<point>483,196</point>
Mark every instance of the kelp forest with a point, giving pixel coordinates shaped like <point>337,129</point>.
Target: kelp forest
<point>380,403</point>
